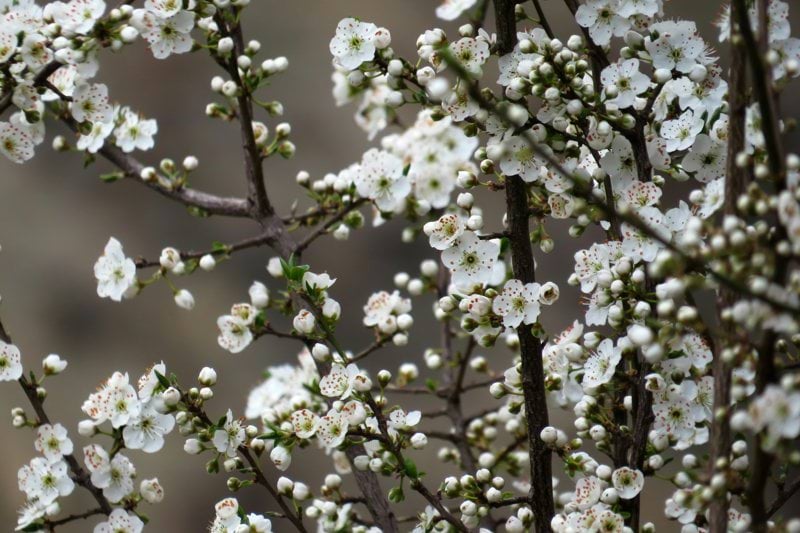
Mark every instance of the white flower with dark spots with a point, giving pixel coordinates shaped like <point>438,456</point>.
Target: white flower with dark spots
<point>707,159</point>
<point>444,232</point>
<point>332,429</point>
<point>166,36</point>
<point>230,436</point>
<point>518,303</point>
<point>628,482</point>
<point>45,481</point>
<point>120,521</point>
<point>354,43</point>
<point>681,132</point>
<point>114,272</point>
<point>470,52</point>
<point>602,19</point>
<point>234,333</point>
<point>471,260</point>
<point>381,178</point>
<point>90,103</point>
<point>600,367</point>
<point>135,132</point>
<point>15,144</point>
<point>678,47</point>
<point>10,365</point>
<point>52,442</point>
<point>627,80</point>
<point>305,423</point>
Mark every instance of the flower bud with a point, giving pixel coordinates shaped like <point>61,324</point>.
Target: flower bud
<point>169,259</point>
<point>280,457</point>
<point>300,491</point>
<point>192,446</point>
<point>87,428</point>
<point>207,377</point>
<point>184,299</point>
<point>53,364</point>
<point>151,490</point>
<point>304,322</point>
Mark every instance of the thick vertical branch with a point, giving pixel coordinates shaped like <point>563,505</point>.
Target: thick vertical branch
<point>762,84</point>
<point>761,462</point>
<point>735,184</point>
<point>536,415</point>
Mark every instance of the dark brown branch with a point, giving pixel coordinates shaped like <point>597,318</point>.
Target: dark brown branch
<point>735,185</point>
<point>784,495</point>
<point>766,373</point>
<point>762,84</point>
<point>533,385</point>
<point>51,525</point>
<point>332,221</point>
<point>252,242</point>
<point>416,483</point>
<point>296,518</point>
<point>543,19</point>
<point>257,193</point>
<point>132,169</point>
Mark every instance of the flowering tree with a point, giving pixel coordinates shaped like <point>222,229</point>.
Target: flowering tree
<point>591,129</point>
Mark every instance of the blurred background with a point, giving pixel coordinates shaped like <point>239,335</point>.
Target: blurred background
<point>56,216</point>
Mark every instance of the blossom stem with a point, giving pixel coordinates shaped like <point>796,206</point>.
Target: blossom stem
<point>52,524</point>
<point>543,19</point>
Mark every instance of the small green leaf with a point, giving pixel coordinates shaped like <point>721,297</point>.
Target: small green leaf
<point>411,469</point>
<point>431,384</point>
<point>162,379</point>
<point>112,176</point>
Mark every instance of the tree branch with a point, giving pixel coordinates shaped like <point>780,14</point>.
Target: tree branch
<point>132,169</point>
<point>257,193</point>
<point>80,476</point>
<point>533,385</point>
<point>735,185</point>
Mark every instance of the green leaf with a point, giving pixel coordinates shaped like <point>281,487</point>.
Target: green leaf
<point>112,176</point>
<point>411,469</point>
<point>162,379</point>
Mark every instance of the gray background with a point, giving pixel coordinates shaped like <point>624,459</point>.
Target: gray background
<point>55,218</point>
